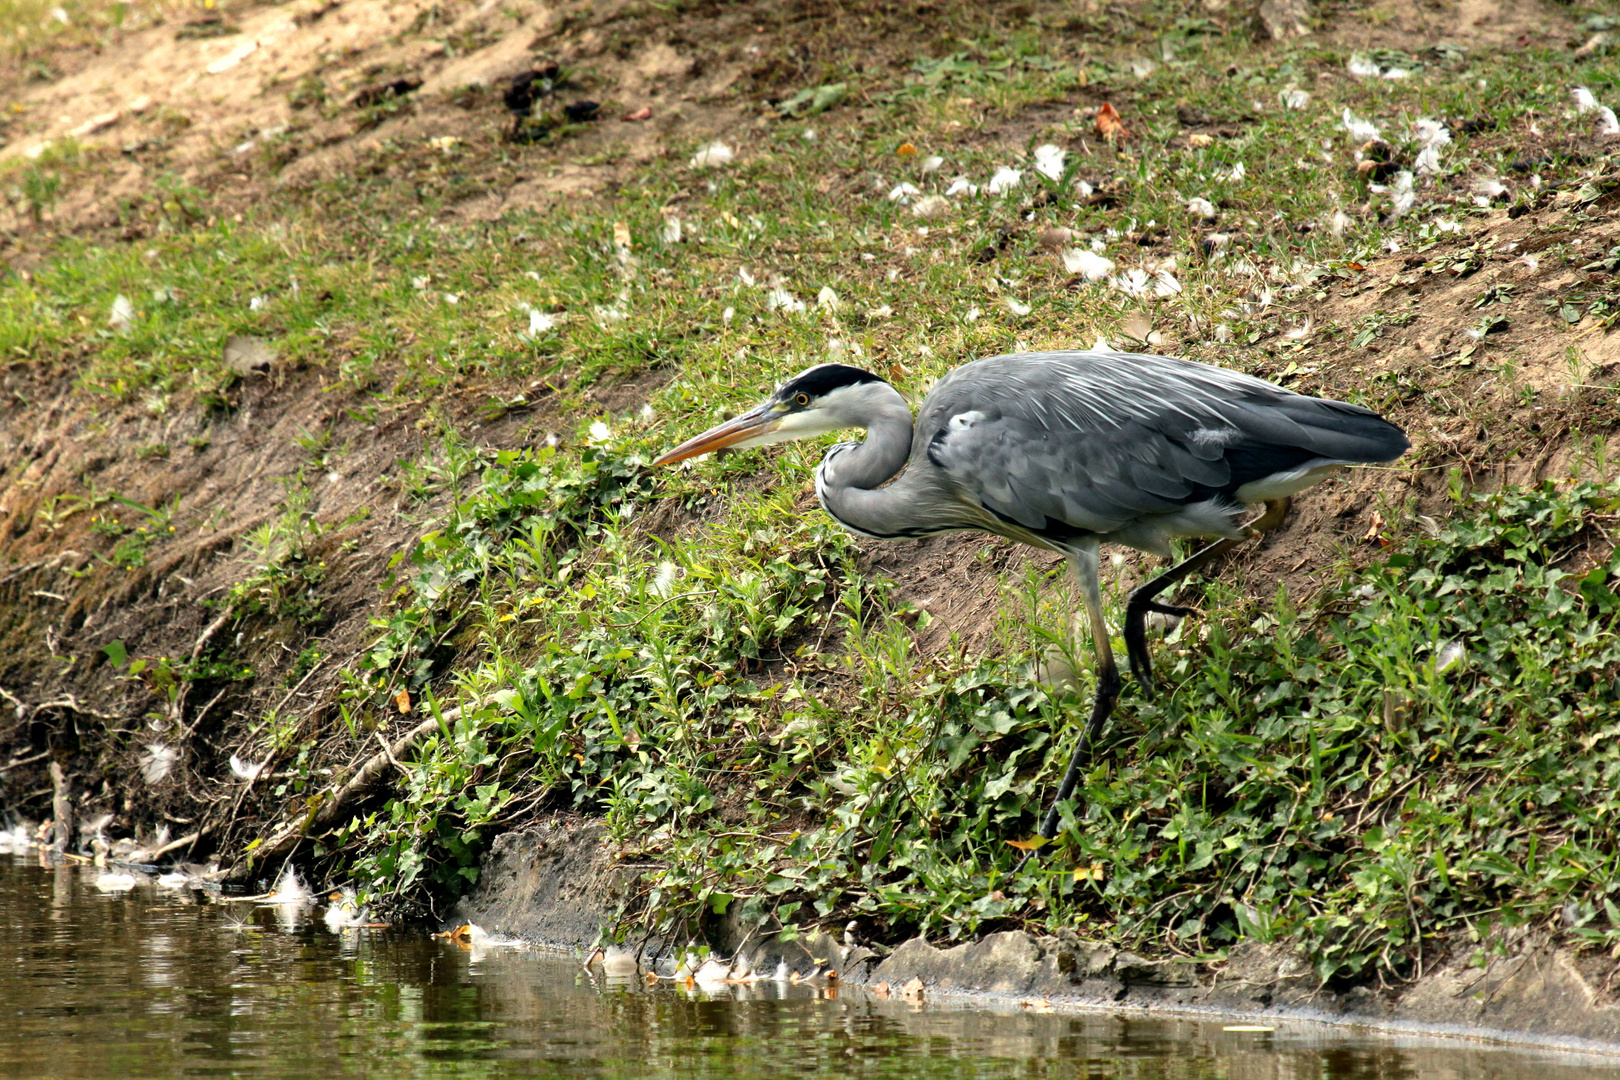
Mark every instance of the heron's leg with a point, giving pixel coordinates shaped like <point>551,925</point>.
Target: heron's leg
<point>1083,563</point>
<point>1141,599</point>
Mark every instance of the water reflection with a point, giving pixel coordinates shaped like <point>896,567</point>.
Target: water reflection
<point>153,983</point>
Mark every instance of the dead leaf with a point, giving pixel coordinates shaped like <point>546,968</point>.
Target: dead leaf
<point>402,701</point>
<point>913,990</point>
<point>459,934</point>
<point>1198,140</point>
<point>621,234</point>
<point>1375,529</point>
<point>1034,843</point>
<point>1055,238</point>
<point>1094,872</point>
<point>643,113</point>
<point>1109,125</point>
<point>881,990</point>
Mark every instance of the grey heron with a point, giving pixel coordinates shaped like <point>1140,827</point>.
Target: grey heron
<point>1065,451</point>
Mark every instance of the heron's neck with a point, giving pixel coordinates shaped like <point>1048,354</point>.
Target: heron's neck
<point>850,479</point>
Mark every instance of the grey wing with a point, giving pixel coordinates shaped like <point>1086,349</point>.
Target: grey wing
<point>1094,441</point>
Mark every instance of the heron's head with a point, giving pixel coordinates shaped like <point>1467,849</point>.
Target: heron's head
<point>827,397</point>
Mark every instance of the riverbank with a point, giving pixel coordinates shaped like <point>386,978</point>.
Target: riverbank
<point>558,886</point>
<point>328,538</point>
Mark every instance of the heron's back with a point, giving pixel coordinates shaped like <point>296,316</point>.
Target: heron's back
<point>1083,443</point>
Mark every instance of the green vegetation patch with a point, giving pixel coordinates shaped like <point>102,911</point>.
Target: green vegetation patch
<point>1425,754</point>
<point>1421,755</point>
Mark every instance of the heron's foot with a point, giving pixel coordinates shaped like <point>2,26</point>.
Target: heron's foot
<point>1136,650</point>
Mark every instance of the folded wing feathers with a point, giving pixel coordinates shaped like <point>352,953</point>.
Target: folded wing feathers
<point>1095,440</point>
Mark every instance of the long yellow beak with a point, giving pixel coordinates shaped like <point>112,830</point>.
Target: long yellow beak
<point>760,420</point>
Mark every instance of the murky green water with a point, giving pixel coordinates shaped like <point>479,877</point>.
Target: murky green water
<point>152,983</point>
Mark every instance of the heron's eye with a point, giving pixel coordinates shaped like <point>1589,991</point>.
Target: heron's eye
<point>801,399</point>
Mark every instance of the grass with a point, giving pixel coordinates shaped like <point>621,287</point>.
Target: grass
<point>1421,755</point>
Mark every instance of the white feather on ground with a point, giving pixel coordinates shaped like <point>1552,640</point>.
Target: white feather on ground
<point>1005,179</point>
<point>1360,130</point>
<point>1091,266</point>
<point>1049,160</point>
<point>123,313</point>
<point>715,155</point>
<point>157,762</point>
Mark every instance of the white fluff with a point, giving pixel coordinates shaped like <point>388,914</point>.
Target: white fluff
<point>1164,284</point>
<point>931,206</point>
<point>15,839</point>
<point>961,186</point>
<point>123,313</point>
<point>716,155</point>
<point>672,230</point>
<point>711,974</point>
<point>1361,67</point>
<point>931,164</point>
<point>1132,282</point>
<point>1451,654</point>
<point>157,762</point>
<point>904,192</point>
<point>1401,194</point>
<point>1584,101</point>
<point>540,322</point>
<point>782,300</point>
<point>115,881</point>
<point>1360,130</point>
<point>1005,179</point>
<point>1091,266</point>
<point>289,889</point>
<point>1432,134</point>
<point>1293,98</point>
<point>663,583</point>
<point>246,770</point>
<point>1049,160</point>
<point>344,912</point>
<point>1015,307</point>
<point>1200,207</point>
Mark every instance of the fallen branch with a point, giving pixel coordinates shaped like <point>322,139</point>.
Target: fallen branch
<point>189,838</point>
<point>337,807</point>
<point>61,810</point>
<point>177,712</point>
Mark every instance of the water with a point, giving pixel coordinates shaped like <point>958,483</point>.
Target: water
<point>157,984</point>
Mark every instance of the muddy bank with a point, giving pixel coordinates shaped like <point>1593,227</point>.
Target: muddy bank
<point>562,883</point>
